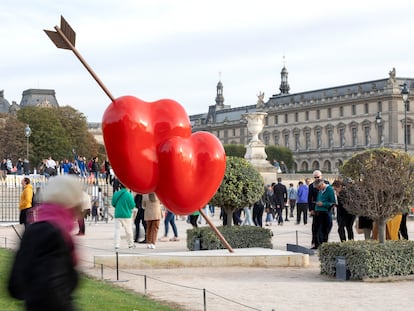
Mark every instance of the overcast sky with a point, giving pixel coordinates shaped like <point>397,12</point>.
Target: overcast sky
<point>155,49</point>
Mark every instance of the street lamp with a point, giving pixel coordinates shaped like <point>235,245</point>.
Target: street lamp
<point>27,132</point>
<point>405,92</point>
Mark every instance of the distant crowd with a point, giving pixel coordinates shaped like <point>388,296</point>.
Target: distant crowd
<point>78,165</point>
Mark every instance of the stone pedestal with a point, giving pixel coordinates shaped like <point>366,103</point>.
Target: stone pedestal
<point>255,150</point>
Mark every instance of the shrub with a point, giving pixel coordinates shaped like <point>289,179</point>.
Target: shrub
<point>236,236</point>
<point>369,259</point>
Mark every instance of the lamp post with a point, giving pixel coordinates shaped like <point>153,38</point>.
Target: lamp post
<point>27,133</point>
<point>405,92</point>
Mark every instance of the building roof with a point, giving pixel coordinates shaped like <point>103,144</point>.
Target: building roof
<point>4,104</point>
<point>283,101</point>
<point>39,97</point>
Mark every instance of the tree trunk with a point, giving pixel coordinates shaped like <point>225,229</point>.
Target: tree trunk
<point>229,214</point>
<point>381,230</point>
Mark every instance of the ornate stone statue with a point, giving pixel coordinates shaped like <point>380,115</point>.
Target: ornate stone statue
<point>392,74</point>
<point>260,100</point>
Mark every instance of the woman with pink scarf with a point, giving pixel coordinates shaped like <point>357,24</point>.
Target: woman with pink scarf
<point>43,273</point>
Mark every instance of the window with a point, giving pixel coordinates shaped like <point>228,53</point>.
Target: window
<point>234,132</point>
<point>353,109</point>
<point>286,137</point>
<point>276,139</point>
<point>330,138</point>
<point>354,137</point>
<point>297,141</point>
<point>342,136</point>
<point>341,111</point>
<point>329,113</point>
<point>218,134</point>
<point>286,118</point>
<point>318,114</point>
<point>366,108</point>
<point>307,115</point>
<point>276,119</point>
<point>307,139</point>
<point>380,136</point>
<point>266,121</point>
<point>296,117</point>
<point>266,139</point>
<point>318,139</point>
<point>379,107</point>
<point>367,136</point>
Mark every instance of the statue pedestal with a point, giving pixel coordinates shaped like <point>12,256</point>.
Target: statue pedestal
<point>255,150</point>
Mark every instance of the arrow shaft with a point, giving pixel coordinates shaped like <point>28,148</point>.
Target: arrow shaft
<point>85,64</point>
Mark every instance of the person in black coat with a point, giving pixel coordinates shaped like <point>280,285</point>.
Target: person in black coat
<point>43,273</point>
<point>139,219</point>
<point>280,199</point>
<point>344,218</point>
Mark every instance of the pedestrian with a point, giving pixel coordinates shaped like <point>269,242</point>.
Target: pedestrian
<point>95,169</point>
<point>312,195</point>
<point>403,233</point>
<point>323,205</point>
<point>95,206</point>
<point>194,216</point>
<point>366,225</point>
<point>26,199</point>
<point>269,204</point>
<point>106,204</point>
<point>258,209</point>
<point>247,216</point>
<point>280,199</point>
<point>85,209</point>
<point>169,219</point>
<point>139,219</point>
<point>43,272</point>
<point>123,202</point>
<point>292,197</point>
<point>344,218</point>
<point>302,203</point>
<point>152,216</point>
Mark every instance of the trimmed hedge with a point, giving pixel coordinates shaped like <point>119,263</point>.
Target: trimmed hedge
<point>369,259</point>
<point>236,236</point>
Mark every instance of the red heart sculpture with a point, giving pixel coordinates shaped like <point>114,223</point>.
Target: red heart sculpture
<point>192,169</point>
<point>132,130</point>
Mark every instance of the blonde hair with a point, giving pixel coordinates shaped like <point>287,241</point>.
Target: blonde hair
<point>63,190</point>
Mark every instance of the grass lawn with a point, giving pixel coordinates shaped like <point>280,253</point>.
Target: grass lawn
<point>90,295</point>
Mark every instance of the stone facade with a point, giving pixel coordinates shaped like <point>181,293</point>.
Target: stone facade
<point>323,128</point>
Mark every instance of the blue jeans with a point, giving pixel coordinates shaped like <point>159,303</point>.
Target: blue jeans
<point>170,220</point>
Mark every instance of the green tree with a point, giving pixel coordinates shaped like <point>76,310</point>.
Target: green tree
<point>280,154</point>
<point>242,185</point>
<point>12,140</point>
<point>76,126</point>
<point>233,150</point>
<point>48,137</point>
<point>379,184</point>
<point>55,132</point>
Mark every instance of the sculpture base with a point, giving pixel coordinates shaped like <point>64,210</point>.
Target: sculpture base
<point>256,155</point>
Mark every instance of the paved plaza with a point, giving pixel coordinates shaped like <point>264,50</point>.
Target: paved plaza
<point>237,288</point>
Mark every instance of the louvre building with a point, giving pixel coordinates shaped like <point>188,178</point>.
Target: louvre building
<point>323,128</point>
<point>30,97</point>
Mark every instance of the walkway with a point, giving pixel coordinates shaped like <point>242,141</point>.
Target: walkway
<point>239,288</point>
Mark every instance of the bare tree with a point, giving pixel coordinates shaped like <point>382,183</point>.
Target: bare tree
<point>379,184</point>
